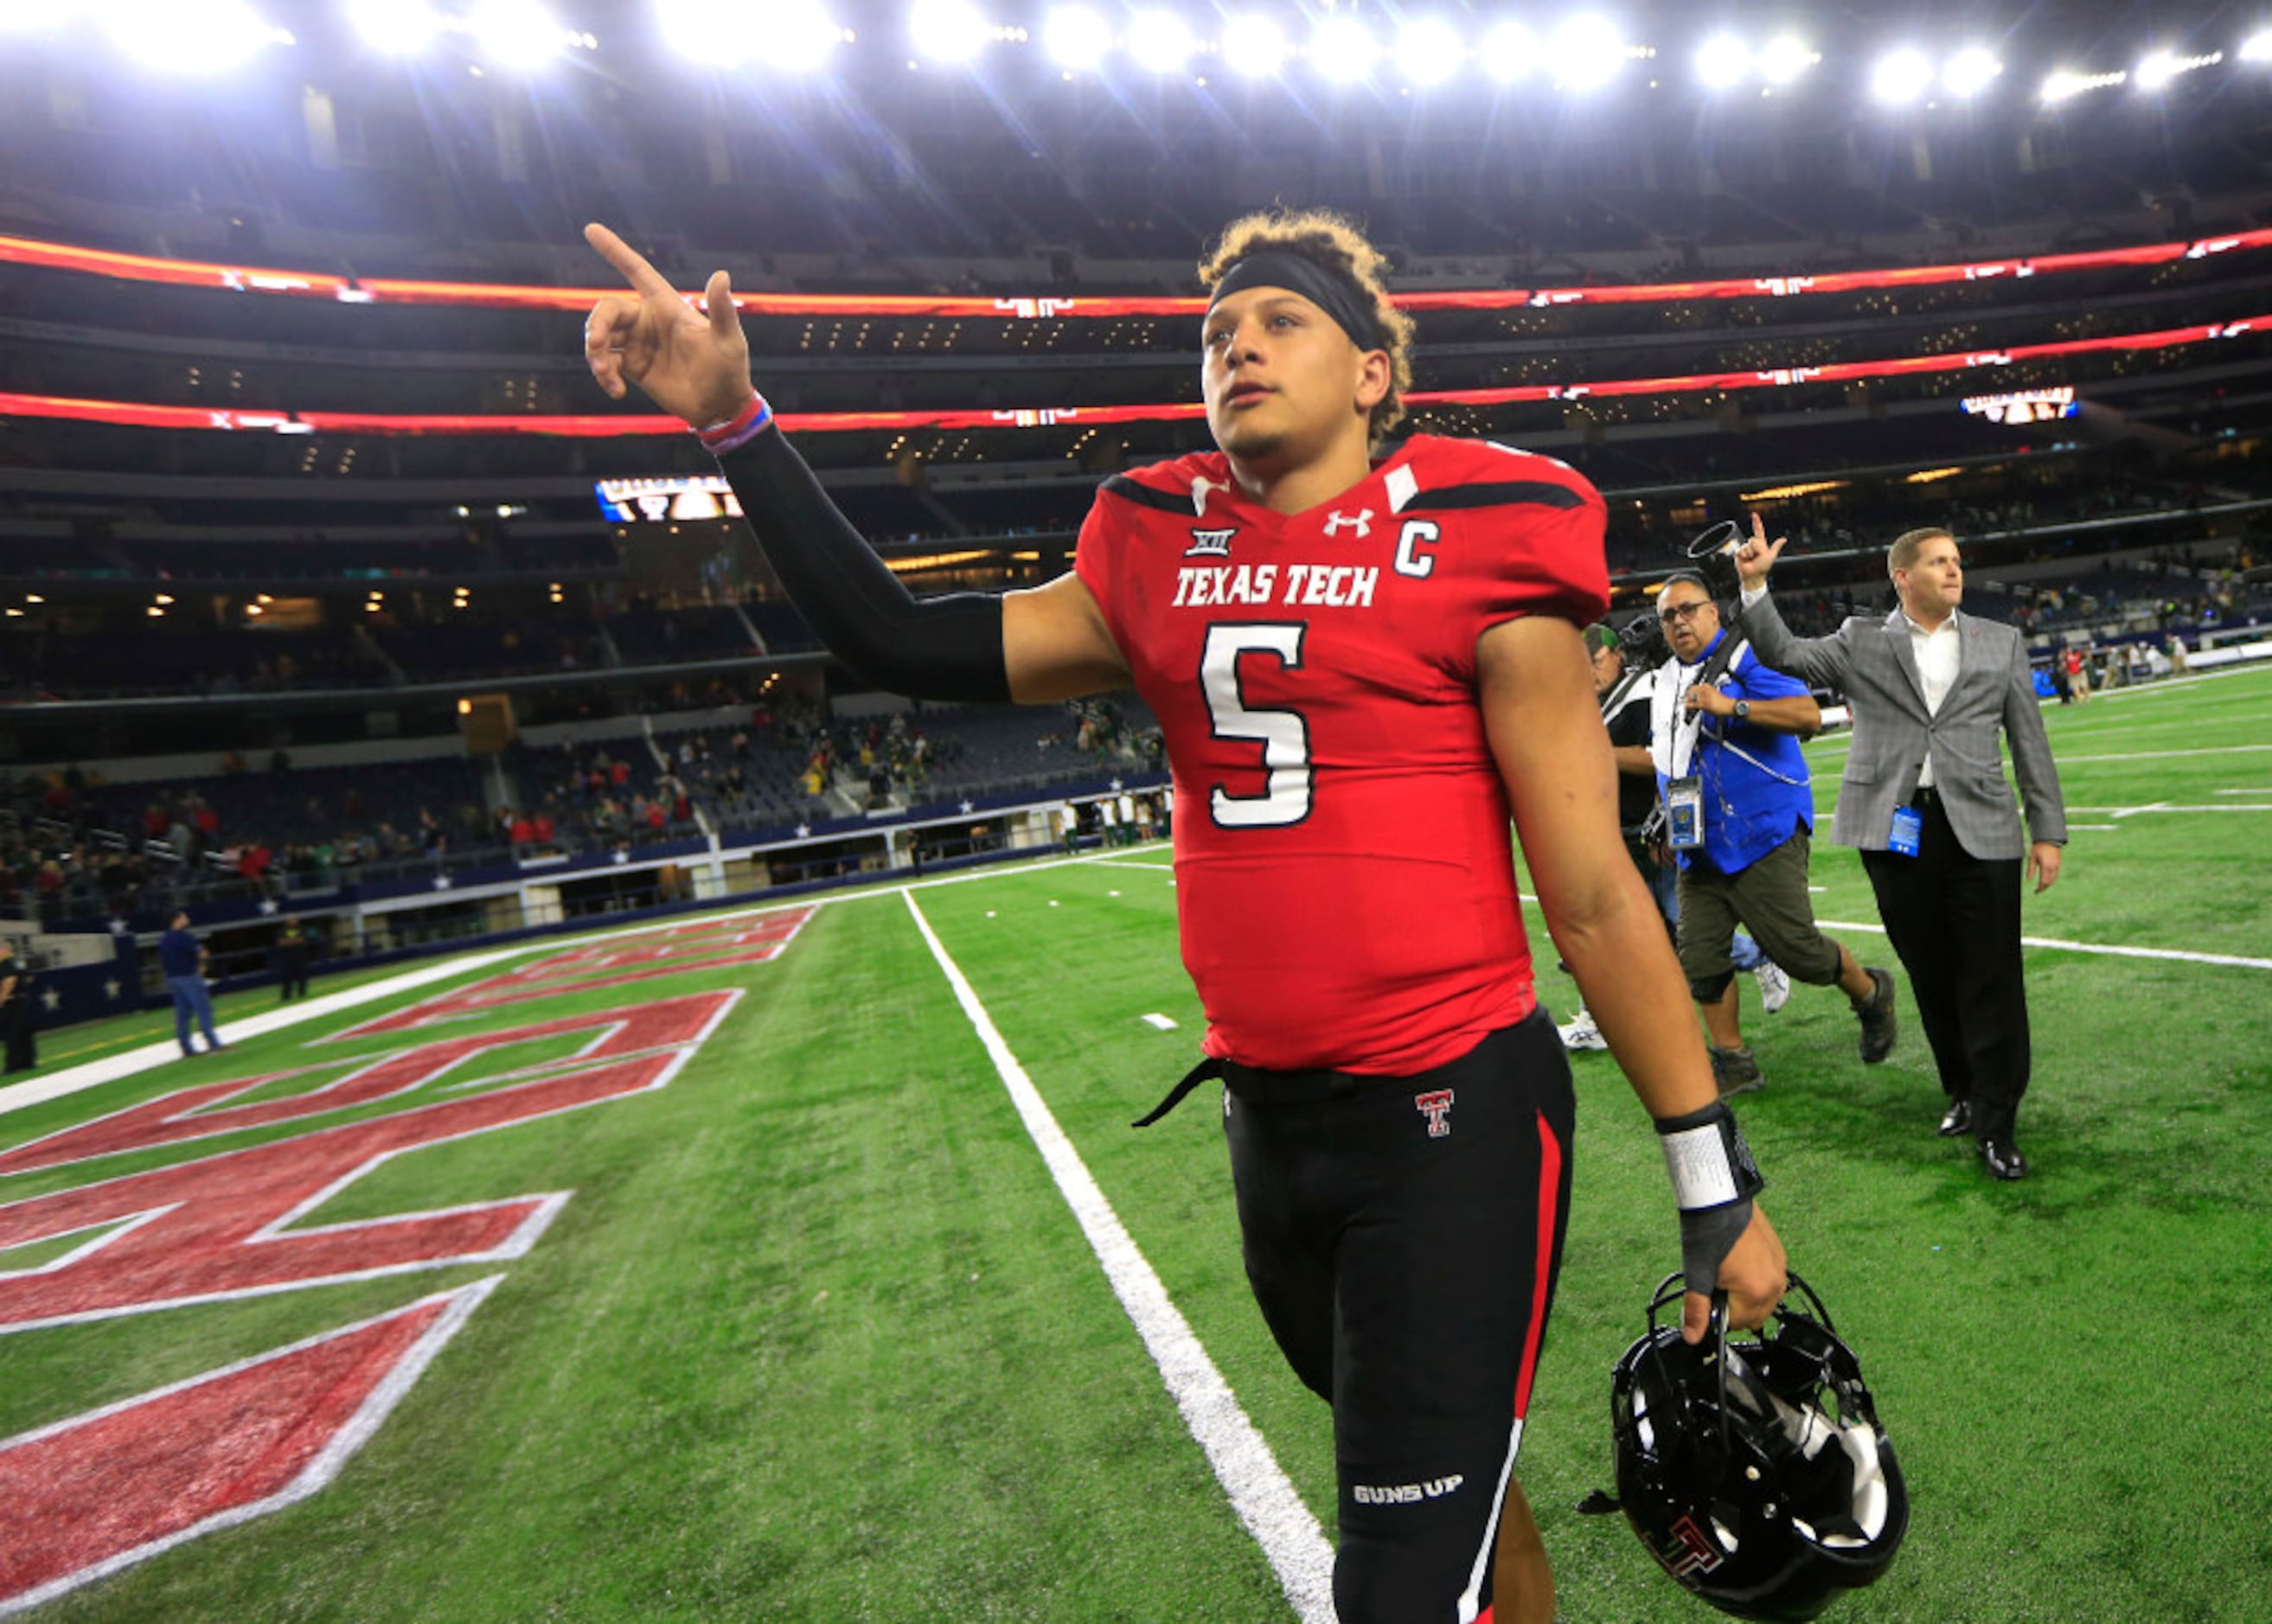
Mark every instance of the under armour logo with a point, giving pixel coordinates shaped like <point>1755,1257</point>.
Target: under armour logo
<point>1438,1106</point>
<point>1335,520</point>
<point>1210,543</point>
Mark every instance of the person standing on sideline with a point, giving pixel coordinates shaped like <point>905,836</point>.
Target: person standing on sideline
<point>1724,728</point>
<point>1625,712</point>
<point>18,1018</point>
<point>1360,669</point>
<point>182,957</point>
<point>294,949</point>
<point>1925,799</point>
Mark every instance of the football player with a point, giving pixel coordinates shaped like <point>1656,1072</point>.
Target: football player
<point>1362,663</point>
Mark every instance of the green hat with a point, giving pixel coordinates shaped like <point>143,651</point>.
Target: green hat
<point>1600,636</point>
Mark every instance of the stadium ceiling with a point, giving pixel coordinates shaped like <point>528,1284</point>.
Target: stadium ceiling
<point>1570,47</point>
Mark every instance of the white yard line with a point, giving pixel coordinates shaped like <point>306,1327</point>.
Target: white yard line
<point>2230,960</point>
<point>1260,1491</point>
<point>2214,749</point>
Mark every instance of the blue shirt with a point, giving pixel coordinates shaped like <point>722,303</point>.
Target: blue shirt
<point>1757,793</point>
<point>177,951</point>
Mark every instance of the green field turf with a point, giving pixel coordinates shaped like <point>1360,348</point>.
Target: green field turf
<point>817,1338</point>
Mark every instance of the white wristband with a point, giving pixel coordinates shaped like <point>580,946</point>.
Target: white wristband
<point>1697,1159</point>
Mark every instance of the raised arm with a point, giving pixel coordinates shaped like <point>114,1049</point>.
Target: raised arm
<point>1821,660</point>
<point>1048,644</point>
<point>1547,738</point>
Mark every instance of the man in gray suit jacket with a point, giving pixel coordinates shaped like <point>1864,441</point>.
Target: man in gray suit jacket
<point>1925,799</point>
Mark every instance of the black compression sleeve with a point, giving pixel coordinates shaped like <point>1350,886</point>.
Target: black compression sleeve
<point>932,648</point>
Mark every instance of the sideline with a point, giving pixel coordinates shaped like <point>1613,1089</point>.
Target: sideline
<point>1260,1491</point>
<point>95,1073</point>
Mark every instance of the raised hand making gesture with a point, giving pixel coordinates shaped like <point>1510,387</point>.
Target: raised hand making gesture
<point>1757,556</point>
<point>693,366</point>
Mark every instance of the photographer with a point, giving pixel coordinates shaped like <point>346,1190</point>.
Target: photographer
<point>1739,811</point>
<point>1624,669</point>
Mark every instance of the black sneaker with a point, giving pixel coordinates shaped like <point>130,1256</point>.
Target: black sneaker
<point>1877,1017</point>
<point>1734,1071</point>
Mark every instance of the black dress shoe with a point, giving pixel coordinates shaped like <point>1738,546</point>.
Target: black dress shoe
<point>1957,1120</point>
<point>2003,1158</point>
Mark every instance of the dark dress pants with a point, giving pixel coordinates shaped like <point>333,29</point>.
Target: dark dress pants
<point>1955,920</point>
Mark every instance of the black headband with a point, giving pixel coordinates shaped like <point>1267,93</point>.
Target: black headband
<point>1335,295</point>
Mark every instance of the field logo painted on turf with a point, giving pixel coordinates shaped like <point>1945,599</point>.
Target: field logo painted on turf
<point>712,945</point>
<point>87,1495</point>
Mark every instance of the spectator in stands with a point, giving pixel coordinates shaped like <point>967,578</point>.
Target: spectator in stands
<point>182,959</point>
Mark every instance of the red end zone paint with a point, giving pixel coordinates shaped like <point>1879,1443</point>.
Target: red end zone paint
<point>184,1115</point>
<point>90,1495</point>
<point>685,948</point>
<point>217,1227</point>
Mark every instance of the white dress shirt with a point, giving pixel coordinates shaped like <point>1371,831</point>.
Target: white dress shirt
<point>1938,652</point>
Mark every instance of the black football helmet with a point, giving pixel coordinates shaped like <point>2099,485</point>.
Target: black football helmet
<point>1756,1472</point>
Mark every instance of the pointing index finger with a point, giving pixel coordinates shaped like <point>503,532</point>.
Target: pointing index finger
<point>628,260</point>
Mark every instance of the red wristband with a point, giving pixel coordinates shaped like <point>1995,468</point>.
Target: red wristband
<point>738,429</point>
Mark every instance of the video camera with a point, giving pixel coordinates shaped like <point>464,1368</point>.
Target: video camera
<point>1713,557</point>
<point>1712,554</point>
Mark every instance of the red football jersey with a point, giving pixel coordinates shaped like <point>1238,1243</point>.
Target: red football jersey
<point>1345,875</point>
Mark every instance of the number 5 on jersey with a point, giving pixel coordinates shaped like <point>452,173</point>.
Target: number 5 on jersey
<point>1284,735</point>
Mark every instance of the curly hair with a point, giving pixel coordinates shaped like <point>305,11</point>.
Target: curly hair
<point>1336,245</point>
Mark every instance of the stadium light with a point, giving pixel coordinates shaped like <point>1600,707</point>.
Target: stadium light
<point>2160,67</point>
<point>2257,47</point>
<point>1969,70</point>
<point>1903,76</point>
<point>1587,52</point>
<point>1507,52</point>
<point>1254,47</point>
<point>1075,37</point>
<point>1722,60</point>
<point>947,30</point>
<point>187,36</point>
<point>2065,85</point>
<point>1342,50</point>
<point>516,33</point>
<point>395,28</point>
<point>800,37</point>
<point>794,36</point>
<point>1784,58</point>
<point>1429,51</point>
<point>1160,41</point>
